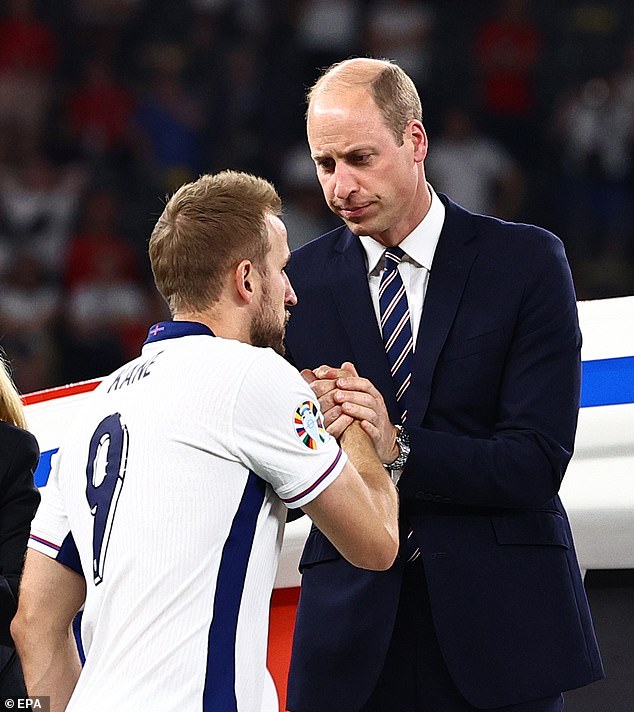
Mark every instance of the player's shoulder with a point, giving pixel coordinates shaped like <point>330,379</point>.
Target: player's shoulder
<point>197,363</point>
<point>237,358</point>
<point>240,353</point>
<point>268,360</point>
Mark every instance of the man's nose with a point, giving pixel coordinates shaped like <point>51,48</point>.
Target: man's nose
<point>345,182</point>
<point>290,298</point>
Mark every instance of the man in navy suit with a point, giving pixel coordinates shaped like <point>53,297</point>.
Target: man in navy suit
<point>485,606</point>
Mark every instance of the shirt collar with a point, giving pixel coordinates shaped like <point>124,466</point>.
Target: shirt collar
<point>175,329</point>
<point>419,245</point>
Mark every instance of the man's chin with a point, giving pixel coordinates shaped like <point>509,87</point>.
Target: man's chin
<point>356,228</point>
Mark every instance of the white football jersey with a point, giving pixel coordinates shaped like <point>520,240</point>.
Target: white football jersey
<point>171,489</point>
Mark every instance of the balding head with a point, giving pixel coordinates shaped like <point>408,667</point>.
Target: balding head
<point>358,71</point>
<point>391,89</point>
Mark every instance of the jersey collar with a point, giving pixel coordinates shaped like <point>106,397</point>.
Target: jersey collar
<point>175,329</point>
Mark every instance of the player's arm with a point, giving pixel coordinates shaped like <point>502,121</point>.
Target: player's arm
<point>50,596</point>
<point>358,512</point>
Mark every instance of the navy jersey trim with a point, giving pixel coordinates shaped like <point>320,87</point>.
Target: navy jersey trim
<point>219,694</point>
<point>175,329</point>
<point>69,556</point>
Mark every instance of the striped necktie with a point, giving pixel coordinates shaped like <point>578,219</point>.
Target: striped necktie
<point>395,326</point>
<point>397,338</point>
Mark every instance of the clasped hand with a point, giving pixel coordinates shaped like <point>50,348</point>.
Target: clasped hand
<point>344,397</point>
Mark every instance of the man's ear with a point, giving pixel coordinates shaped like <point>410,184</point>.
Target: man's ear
<point>245,281</point>
<point>418,135</point>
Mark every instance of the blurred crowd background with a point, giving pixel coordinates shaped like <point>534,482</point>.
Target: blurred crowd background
<point>106,106</point>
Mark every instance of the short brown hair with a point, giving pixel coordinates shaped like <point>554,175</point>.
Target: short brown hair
<point>392,89</point>
<point>207,227</point>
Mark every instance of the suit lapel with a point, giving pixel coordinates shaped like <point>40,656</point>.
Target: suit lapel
<point>348,282</point>
<point>454,257</point>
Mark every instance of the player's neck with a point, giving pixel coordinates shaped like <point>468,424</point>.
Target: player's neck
<point>225,323</point>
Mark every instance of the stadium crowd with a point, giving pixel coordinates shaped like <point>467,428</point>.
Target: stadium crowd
<point>107,106</point>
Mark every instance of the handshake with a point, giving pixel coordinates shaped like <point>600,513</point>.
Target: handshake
<point>345,398</point>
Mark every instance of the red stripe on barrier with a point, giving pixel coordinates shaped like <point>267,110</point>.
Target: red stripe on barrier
<point>60,392</point>
<point>282,624</point>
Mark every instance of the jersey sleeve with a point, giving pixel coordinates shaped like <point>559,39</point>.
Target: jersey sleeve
<point>279,431</point>
<point>50,527</point>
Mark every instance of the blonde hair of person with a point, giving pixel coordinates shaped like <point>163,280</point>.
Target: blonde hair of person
<point>11,408</point>
<point>207,227</point>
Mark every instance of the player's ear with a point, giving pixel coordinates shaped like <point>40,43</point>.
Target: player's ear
<point>244,280</point>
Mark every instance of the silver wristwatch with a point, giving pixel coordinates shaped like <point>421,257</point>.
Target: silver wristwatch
<point>402,440</point>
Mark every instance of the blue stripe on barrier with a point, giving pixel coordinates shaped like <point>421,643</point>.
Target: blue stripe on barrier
<point>43,469</point>
<point>608,381</point>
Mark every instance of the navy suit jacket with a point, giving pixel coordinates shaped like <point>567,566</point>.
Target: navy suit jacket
<point>19,498</point>
<point>492,416</point>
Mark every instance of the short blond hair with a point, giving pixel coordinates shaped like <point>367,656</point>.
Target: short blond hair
<point>208,227</point>
<point>391,88</point>
<point>11,408</point>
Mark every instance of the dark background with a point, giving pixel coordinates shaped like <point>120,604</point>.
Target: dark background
<point>106,106</point>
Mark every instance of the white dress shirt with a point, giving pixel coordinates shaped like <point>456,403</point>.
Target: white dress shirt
<point>419,247</point>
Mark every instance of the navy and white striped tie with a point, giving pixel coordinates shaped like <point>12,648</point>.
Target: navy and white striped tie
<point>395,326</point>
<point>399,345</point>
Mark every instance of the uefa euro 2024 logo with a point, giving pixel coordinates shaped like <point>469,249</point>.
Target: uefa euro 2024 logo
<point>309,425</point>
